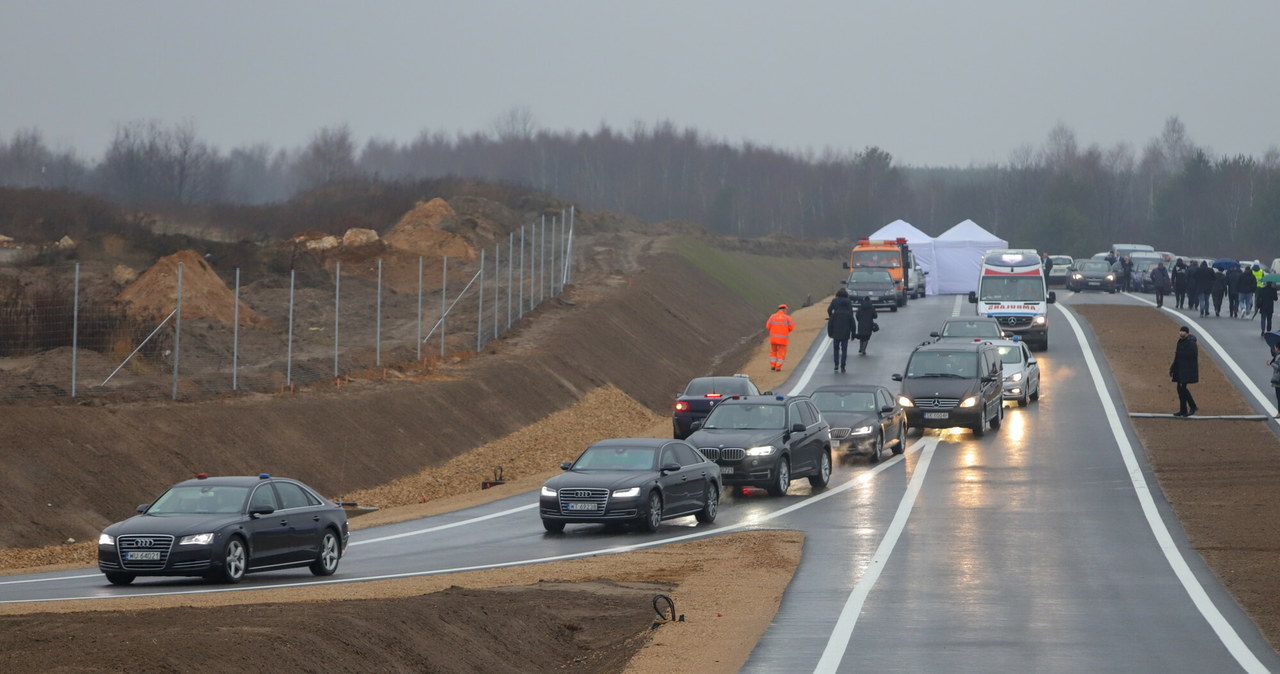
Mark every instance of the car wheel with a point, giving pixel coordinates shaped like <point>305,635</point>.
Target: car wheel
<point>980,428</point>
<point>553,526</point>
<point>327,561</point>
<point>902,439</point>
<point>653,516</point>
<point>998,420</point>
<point>119,578</point>
<point>235,559</point>
<point>1022,402</point>
<point>893,308</point>
<point>877,449</point>
<point>781,478</point>
<point>1036,395</point>
<point>710,505</point>
<point>824,471</point>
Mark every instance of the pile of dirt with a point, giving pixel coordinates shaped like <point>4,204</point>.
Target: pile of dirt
<point>155,294</point>
<point>425,230</point>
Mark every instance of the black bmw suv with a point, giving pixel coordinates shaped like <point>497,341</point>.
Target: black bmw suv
<point>954,383</point>
<point>766,441</point>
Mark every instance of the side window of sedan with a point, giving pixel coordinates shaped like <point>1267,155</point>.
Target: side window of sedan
<point>291,496</point>
<point>885,400</point>
<point>669,455</point>
<point>686,455</point>
<point>264,497</point>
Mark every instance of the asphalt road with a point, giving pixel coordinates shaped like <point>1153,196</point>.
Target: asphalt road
<point>1045,546</point>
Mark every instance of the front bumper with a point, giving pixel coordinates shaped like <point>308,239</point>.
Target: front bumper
<point>751,471</point>
<point>612,510</point>
<point>943,418</point>
<point>853,443</point>
<point>179,560</point>
<point>1014,390</point>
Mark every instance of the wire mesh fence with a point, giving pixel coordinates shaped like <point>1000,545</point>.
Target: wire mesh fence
<point>184,330</point>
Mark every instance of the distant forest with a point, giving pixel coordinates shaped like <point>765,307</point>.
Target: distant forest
<point>1057,197</point>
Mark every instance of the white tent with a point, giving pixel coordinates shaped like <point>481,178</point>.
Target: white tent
<point>921,244</point>
<point>958,254</point>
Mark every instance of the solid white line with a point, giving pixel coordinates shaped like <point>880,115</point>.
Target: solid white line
<point>45,580</point>
<point>814,362</point>
<point>1226,633</point>
<point>1204,335</point>
<point>959,304</point>
<point>861,479</point>
<point>418,532</point>
<point>843,631</point>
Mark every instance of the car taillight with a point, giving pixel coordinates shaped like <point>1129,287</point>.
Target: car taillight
<point>713,395</point>
<point>682,406</point>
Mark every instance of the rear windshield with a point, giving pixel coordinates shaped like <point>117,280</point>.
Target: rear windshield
<point>731,386</point>
<point>943,364</point>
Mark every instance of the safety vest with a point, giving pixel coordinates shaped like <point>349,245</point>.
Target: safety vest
<point>1257,276</point>
<point>780,326</point>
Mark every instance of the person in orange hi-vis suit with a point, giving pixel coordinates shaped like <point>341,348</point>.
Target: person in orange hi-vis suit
<point>780,326</point>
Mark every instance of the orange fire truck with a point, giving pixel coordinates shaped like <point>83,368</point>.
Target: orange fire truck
<point>895,256</point>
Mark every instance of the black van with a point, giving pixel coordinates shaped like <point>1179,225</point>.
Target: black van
<point>953,383</point>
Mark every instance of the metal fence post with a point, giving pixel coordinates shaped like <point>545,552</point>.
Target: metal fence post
<point>551,277</point>
<point>377,329</point>
<point>288,367</point>
<point>444,283</point>
<point>177,335</point>
<point>511,267</point>
<point>564,236</point>
<point>419,340</point>
<point>75,328</point>
<point>235,337</point>
<point>337,312</point>
<point>542,259</point>
<point>520,314</point>
<point>497,267</point>
<point>480,307</point>
<point>568,268</point>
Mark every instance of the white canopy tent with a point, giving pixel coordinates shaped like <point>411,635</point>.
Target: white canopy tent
<point>958,254</point>
<point>921,244</point>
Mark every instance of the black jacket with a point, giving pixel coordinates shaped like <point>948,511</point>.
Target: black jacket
<point>1219,284</point>
<point>1180,278</point>
<point>1266,299</point>
<point>1247,283</point>
<point>866,317</point>
<point>840,323</point>
<point>1203,277</point>
<point>1160,279</point>
<point>1186,361</point>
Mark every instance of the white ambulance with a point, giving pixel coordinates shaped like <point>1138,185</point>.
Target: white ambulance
<point>1012,290</point>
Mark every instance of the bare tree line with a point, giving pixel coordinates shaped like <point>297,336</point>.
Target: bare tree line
<point>1058,196</point>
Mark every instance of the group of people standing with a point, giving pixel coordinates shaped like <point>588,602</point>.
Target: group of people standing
<point>1201,287</point>
<point>844,322</point>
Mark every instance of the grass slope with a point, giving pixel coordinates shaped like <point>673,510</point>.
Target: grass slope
<point>766,281</point>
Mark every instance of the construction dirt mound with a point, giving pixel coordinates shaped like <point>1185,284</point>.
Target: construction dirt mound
<point>204,295</point>
<point>425,230</point>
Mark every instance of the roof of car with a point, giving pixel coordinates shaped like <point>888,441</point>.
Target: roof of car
<point>848,388</point>
<point>720,379</point>
<point>971,319</point>
<point>957,344</point>
<point>632,442</point>
<point>230,480</point>
<point>760,399</point>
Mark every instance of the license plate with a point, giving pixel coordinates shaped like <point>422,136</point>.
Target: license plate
<point>583,506</point>
<point>1095,283</point>
<point>142,556</point>
<point>726,470</point>
<point>936,415</point>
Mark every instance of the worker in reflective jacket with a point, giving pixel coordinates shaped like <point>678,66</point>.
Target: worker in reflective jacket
<point>780,326</point>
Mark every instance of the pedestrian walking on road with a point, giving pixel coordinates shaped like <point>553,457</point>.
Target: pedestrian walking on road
<point>1248,287</point>
<point>1126,267</point>
<point>866,324</point>
<point>1160,283</point>
<point>840,327</point>
<point>1275,373</point>
<point>1203,278</point>
<point>1185,370</point>
<point>1266,301</point>
<point>780,326</point>
<point>1219,289</point>
<point>1233,291</point>
<point>1180,279</point>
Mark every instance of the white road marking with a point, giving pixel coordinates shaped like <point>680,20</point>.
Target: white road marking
<point>959,304</point>
<point>45,580</point>
<point>459,523</point>
<point>843,631</point>
<point>1204,335</point>
<point>1226,633</point>
<point>861,479</point>
<point>814,362</point>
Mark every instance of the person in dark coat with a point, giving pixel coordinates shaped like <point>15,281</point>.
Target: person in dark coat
<point>1266,301</point>
<point>1219,289</point>
<point>1203,278</point>
<point>1180,280</point>
<point>1126,268</point>
<point>1185,370</point>
<point>840,326</point>
<point>1160,283</point>
<point>1233,291</point>
<point>866,324</point>
<point>1247,287</point>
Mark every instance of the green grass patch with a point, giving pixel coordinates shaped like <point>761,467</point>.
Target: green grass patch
<point>766,281</point>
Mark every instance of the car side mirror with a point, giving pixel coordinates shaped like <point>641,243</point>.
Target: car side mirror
<point>670,467</point>
<point>887,409</point>
<point>144,507</point>
<point>566,465</point>
<point>934,334</point>
<point>988,379</point>
<point>1053,297</point>
<point>973,297</point>
<point>797,428</point>
<point>896,377</point>
<point>261,510</point>
<point>695,425</point>
<point>844,265</point>
<point>1031,361</point>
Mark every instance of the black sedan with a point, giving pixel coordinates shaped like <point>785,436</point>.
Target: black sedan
<point>875,284</point>
<point>1092,275</point>
<point>632,480</point>
<point>701,395</point>
<point>864,418</point>
<point>225,527</point>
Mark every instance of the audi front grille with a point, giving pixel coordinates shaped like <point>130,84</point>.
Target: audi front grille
<point>151,545</point>
<point>576,495</point>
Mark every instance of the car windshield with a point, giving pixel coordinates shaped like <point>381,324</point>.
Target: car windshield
<point>616,458</point>
<point>200,499</point>
<point>971,329</point>
<point>870,276</point>
<point>1012,289</point>
<point>746,417</point>
<point>943,364</point>
<point>1060,259</point>
<point>1010,354</point>
<point>1095,265</point>
<point>728,386</point>
<point>877,258</point>
<point>844,401</point>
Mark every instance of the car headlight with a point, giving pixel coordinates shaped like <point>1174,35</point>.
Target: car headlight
<point>969,402</point>
<point>1040,320</point>
<point>763,450</point>
<point>1111,277</point>
<point>196,539</point>
<point>1016,376</point>
<point>905,401</point>
<point>627,493</point>
<point>1077,277</point>
<point>106,539</point>
<point>548,491</point>
<point>863,430</point>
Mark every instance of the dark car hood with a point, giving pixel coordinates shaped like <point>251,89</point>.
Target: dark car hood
<point>939,387</point>
<point>851,419</point>
<point>728,437</point>
<point>869,287</point>
<point>607,479</point>
<point>1094,274</point>
<point>177,525</point>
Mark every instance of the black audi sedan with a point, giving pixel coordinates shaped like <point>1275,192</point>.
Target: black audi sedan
<point>632,480</point>
<point>225,527</point>
<point>702,393</point>
<point>767,441</point>
<point>864,419</point>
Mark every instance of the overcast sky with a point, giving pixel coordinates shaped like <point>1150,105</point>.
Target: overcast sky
<point>934,82</point>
